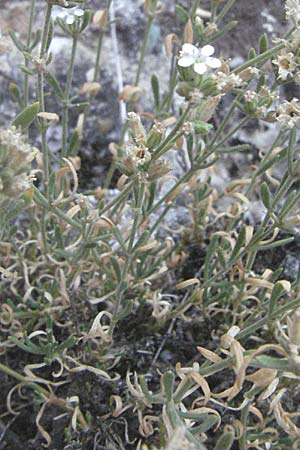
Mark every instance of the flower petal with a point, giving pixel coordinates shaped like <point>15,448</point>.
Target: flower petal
<point>190,50</point>
<point>200,68</point>
<point>186,61</point>
<point>79,12</point>
<point>213,63</point>
<point>207,50</point>
<point>70,19</point>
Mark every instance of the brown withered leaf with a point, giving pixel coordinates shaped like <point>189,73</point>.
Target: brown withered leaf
<point>188,34</point>
<point>170,40</point>
<point>130,93</point>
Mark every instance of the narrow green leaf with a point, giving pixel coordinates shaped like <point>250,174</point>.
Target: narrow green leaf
<point>291,151</point>
<point>209,253</point>
<point>116,267</point>
<point>35,41</point>
<point>50,35</point>
<point>209,422</point>
<point>182,13</point>
<point>275,244</point>
<point>168,380</point>
<point>289,203</point>
<point>261,82</point>
<point>16,41</point>
<point>119,238</point>
<point>126,310</point>
<point>225,441</point>
<point>52,81</point>
<point>26,70</point>
<point>265,195</point>
<point>239,243</point>
<point>276,293</point>
<point>221,257</point>
<point>264,361</point>
<point>85,20</point>
<point>251,53</point>
<point>228,5</point>
<point>58,236</point>
<point>145,389</point>
<point>15,94</point>
<point>152,192</point>
<point>233,148</point>
<point>263,43</point>
<point>27,116</point>
<point>142,240</point>
<point>52,185</point>
<point>155,90</point>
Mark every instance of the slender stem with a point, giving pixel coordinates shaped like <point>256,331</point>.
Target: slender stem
<point>41,96</point>
<point>139,70</point>
<point>137,215</point>
<point>244,420</point>
<point>184,179</point>
<point>195,6</point>
<point>119,199</point>
<point>213,10</point>
<point>43,202</point>
<point>172,84</point>
<point>225,10</point>
<point>164,146</point>
<point>65,108</point>
<point>119,295</point>
<point>29,32</point>
<point>260,58</point>
<point>231,132</point>
<point>99,46</point>
<point>130,254</point>
<point>97,63</point>
<point>144,47</point>
<point>265,161</point>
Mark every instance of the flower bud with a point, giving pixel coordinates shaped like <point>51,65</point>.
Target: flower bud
<point>90,88</point>
<point>155,135</point>
<point>100,19</point>
<point>158,169</point>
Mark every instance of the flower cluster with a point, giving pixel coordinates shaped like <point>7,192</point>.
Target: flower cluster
<point>227,81</point>
<point>69,16</point>
<point>288,114</point>
<point>15,163</point>
<point>257,104</point>
<point>136,156</point>
<point>292,10</point>
<point>200,59</point>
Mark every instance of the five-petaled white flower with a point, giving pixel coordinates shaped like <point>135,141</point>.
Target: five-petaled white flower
<point>200,59</point>
<point>69,16</point>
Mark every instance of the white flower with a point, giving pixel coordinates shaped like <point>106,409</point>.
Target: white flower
<point>292,10</point>
<point>227,81</point>
<point>200,59</point>
<point>68,16</point>
<point>288,113</point>
<point>286,65</point>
